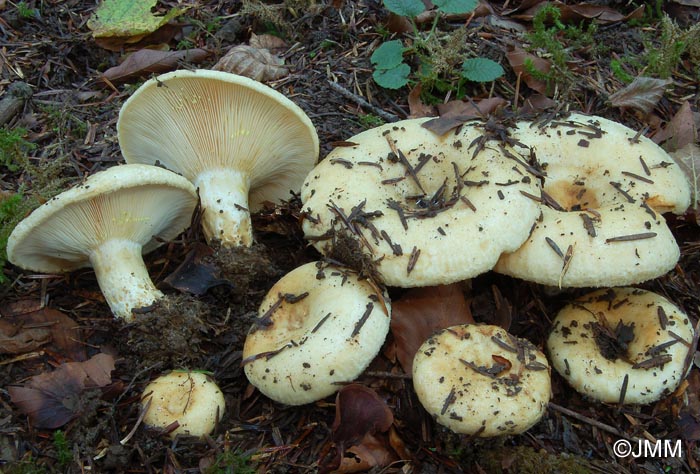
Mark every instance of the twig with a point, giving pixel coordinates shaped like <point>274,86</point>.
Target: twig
<point>591,421</point>
<point>389,117</point>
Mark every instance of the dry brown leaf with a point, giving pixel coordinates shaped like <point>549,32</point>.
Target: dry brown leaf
<point>422,311</point>
<point>689,422</point>
<point>256,63</point>
<point>53,399</point>
<point>688,158</point>
<point>359,411</point>
<point>517,59</point>
<point>272,43</point>
<point>641,94</point>
<point>17,339</point>
<point>576,13</point>
<point>457,112</point>
<point>148,61</point>
<point>680,131</point>
<point>372,452</point>
<point>416,106</point>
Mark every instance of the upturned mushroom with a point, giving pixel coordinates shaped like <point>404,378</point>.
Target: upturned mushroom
<point>427,209</point>
<point>318,327</point>
<point>240,142</point>
<point>190,399</point>
<point>622,345</point>
<point>604,191</point>
<point>481,381</point>
<point>107,223</point>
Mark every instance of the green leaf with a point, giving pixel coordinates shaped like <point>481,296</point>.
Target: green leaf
<point>481,70</point>
<point>455,6</point>
<point>409,8</point>
<point>128,18</point>
<point>388,55</point>
<point>393,78</point>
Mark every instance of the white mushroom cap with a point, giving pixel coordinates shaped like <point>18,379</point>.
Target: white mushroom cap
<point>610,186</point>
<point>192,399</point>
<point>444,230</point>
<point>594,346</point>
<point>318,327</point>
<point>107,222</point>
<point>479,380</point>
<point>240,142</point>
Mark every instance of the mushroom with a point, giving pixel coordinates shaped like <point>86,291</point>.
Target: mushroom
<point>240,142</point>
<point>481,381</point>
<point>190,399</point>
<point>604,191</point>
<point>427,209</point>
<point>318,327</point>
<point>622,345</point>
<point>107,222</point>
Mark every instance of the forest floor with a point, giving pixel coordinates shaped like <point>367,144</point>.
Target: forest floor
<point>637,63</point>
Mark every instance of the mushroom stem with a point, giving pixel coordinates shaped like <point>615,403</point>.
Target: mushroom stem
<point>122,276</point>
<point>225,215</point>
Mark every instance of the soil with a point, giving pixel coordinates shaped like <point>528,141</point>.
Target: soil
<point>213,294</point>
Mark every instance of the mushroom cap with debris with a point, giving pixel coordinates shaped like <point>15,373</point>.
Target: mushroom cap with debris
<point>318,327</point>
<point>622,345</point>
<point>240,142</point>
<point>604,193</point>
<point>481,381</point>
<point>427,209</point>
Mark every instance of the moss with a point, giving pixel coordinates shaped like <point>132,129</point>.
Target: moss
<point>525,460</point>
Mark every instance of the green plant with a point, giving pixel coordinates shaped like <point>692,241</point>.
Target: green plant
<point>12,146</point>
<point>231,462</point>
<point>369,121</point>
<point>63,452</point>
<point>25,11</point>
<point>662,56</point>
<point>436,55</point>
<point>618,71</point>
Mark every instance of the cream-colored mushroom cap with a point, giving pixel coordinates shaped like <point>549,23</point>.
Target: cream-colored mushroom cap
<point>621,345</point>
<point>192,399</point>
<point>603,195</point>
<point>108,222</point>
<point>318,327</point>
<point>479,380</point>
<point>428,209</point>
<point>240,142</point>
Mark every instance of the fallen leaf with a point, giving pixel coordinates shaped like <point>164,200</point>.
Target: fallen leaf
<point>359,411</point>
<point>128,18</point>
<point>422,311</point>
<point>518,58</point>
<point>52,399</point>
<point>537,103</point>
<point>193,275</point>
<point>641,94</point>
<point>457,112</point>
<point>371,452</point>
<point>416,106</point>
<point>688,158</point>
<point>576,13</point>
<point>681,131</point>
<point>17,339</point>
<point>689,422</point>
<point>256,63</point>
<point>272,43</point>
<point>162,36</point>
<point>148,61</point>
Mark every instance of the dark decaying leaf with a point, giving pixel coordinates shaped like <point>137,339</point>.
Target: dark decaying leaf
<point>52,399</point>
<point>641,94</point>
<point>359,411</point>
<point>22,331</point>
<point>574,14</point>
<point>682,130</point>
<point>372,452</point>
<point>149,61</point>
<point>518,58</point>
<point>688,158</point>
<point>457,112</point>
<point>192,275</point>
<point>416,106</point>
<point>689,422</point>
<point>422,311</point>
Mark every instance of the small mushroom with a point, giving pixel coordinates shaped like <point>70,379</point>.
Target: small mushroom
<point>318,327</point>
<point>190,399</point>
<point>481,381</point>
<point>428,209</point>
<point>604,193</point>
<point>107,223</point>
<point>240,142</point>
<point>622,345</point>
